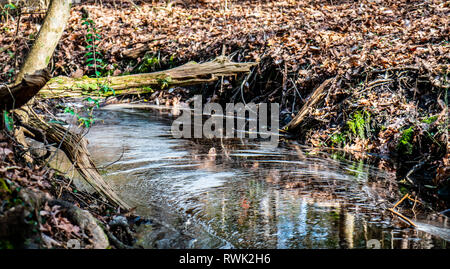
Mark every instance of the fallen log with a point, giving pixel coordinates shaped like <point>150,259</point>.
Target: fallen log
<point>188,74</point>
<point>141,47</point>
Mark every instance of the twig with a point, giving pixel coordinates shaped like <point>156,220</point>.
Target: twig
<point>12,95</point>
<point>414,169</point>
<point>414,205</point>
<point>401,68</point>
<point>373,84</point>
<point>295,87</point>
<point>402,217</point>
<point>11,167</point>
<point>400,201</point>
<point>107,165</point>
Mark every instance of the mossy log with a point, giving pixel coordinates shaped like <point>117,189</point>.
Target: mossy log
<point>188,74</point>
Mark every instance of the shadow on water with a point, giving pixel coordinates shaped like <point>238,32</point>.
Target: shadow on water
<point>240,194</point>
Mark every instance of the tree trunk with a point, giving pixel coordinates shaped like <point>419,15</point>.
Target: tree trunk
<point>31,78</point>
<point>48,37</point>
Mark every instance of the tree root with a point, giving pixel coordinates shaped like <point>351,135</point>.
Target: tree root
<point>119,221</point>
<point>85,221</point>
<point>75,148</point>
<point>14,96</point>
<point>12,222</point>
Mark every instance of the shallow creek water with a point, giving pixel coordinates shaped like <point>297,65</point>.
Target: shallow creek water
<point>242,194</point>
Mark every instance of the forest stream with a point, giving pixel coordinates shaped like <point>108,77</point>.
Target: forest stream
<point>335,133</point>
<point>242,194</point>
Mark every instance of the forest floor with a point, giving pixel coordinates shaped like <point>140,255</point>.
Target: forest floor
<point>389,62</point>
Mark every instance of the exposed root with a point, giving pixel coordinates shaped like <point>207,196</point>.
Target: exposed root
<point>75,147</point>
<point>13,96</point>
<point>85,221</point>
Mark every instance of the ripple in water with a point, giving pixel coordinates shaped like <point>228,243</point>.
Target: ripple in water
<point>239,194</point>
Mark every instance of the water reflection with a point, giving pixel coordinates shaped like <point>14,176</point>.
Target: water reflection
<point>236,193</point>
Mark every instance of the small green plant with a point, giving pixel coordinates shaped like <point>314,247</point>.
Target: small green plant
<point>164,82</point>
<point>104,89</point>
<point>93,57</point>
<point>405,145</point>
<point>10,73</point>
<point>149,63</point>
<point>172,61</point>
<point>7,10</point>
<point>84,121</point>
<point>359,124</point>
<point>337,139</point>
<point>8,120</point>
<point>96,102</point>
<point>430,119</point>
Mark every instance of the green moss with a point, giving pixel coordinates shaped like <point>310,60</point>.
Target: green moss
<point>337,139</point>
<point>6,244</point>
<point>405,145</point>
<point>87,86</point>
<point>4,187</point>
<point>359,124</point>
<point>430,119</point>
<point>149,63</point>
<point>147,90</point>
<point>9,195</point>
<point>58,80</point>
